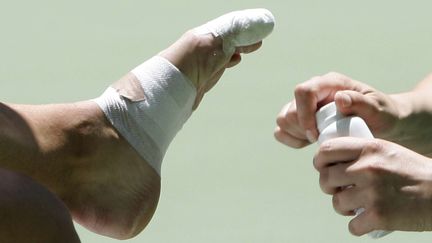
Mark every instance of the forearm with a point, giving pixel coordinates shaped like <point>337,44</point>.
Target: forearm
<point>414,129</point>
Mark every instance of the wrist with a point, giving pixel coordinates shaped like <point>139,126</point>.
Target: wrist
<point>403,104</point>
<point>412,128</point>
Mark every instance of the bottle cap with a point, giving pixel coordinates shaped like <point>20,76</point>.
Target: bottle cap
<point>327,115</point>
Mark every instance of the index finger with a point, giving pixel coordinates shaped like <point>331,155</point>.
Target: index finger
<point>337,150</point>
<point>316,92</point>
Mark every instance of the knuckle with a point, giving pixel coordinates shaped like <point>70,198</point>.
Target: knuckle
<point>281,120</point>
<point>286,120</point>
<point>279,136</point>
<point>353,229</point>
<point>373,146</point>
<point>373,171</point>
<point>343,80</point>
<point>336,76</point>
<point>333,74</point>
<point>196,41</point>
<point>326,147</point>
<point>292,121</point>
<point>303,90</point>
<point>277,133</point>
<point>338,204</point>
<point>323,181</point>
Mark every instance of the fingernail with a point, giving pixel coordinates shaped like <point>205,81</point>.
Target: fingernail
<point>346,100</point>
<point>310,136</point>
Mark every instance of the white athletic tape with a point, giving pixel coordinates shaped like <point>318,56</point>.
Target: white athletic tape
<point>149,107</point>
<point>149,125</point>
<point>240,28</point>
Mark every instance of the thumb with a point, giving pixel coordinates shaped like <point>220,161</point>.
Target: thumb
<point>351,102</point>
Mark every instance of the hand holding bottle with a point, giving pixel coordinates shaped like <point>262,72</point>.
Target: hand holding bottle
<point>332,124</point>
<point>390,182</point>
<point>296,124</point>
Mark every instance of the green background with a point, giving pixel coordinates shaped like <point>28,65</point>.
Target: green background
<point>225,178</point>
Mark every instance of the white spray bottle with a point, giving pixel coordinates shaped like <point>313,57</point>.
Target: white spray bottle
<point>332,124</point>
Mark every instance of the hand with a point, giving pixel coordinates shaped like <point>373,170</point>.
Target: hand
<point>296,124</point>
<point>393,184</point>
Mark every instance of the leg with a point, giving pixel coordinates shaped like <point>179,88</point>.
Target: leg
<point>73,150</point>
<point>79,155</point>
<point>30,213</point>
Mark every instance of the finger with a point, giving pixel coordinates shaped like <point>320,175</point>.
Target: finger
<point>363,223</point>
<point>281,119</point>
<point>346,201</point>
<point>235,59</point>
<point>355,103</point>
<point>248,49</point>
<point>288,122</point>
<point>343,149</point>
<point>335,177</point>
<point>288,139</point>
<point>317,92</point>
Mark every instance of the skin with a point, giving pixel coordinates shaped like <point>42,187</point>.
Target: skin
<point>389,176</point>
<point>394,117</point>
<point>74,151</point>
<point>30,213</point>
<point>392,183</point>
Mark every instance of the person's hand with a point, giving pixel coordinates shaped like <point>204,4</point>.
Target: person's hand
<point>393,184</point>
<point>296,123</point>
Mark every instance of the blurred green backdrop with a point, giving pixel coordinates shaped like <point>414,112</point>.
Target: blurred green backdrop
<point>225,179</point>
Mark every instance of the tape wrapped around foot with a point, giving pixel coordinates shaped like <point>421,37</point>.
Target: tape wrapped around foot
<point>150,105</point>
<point>149,120</point>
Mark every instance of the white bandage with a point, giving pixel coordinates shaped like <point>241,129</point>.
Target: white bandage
<point>150,124</point>
<point>240,28</point>
<point>149,112</point>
